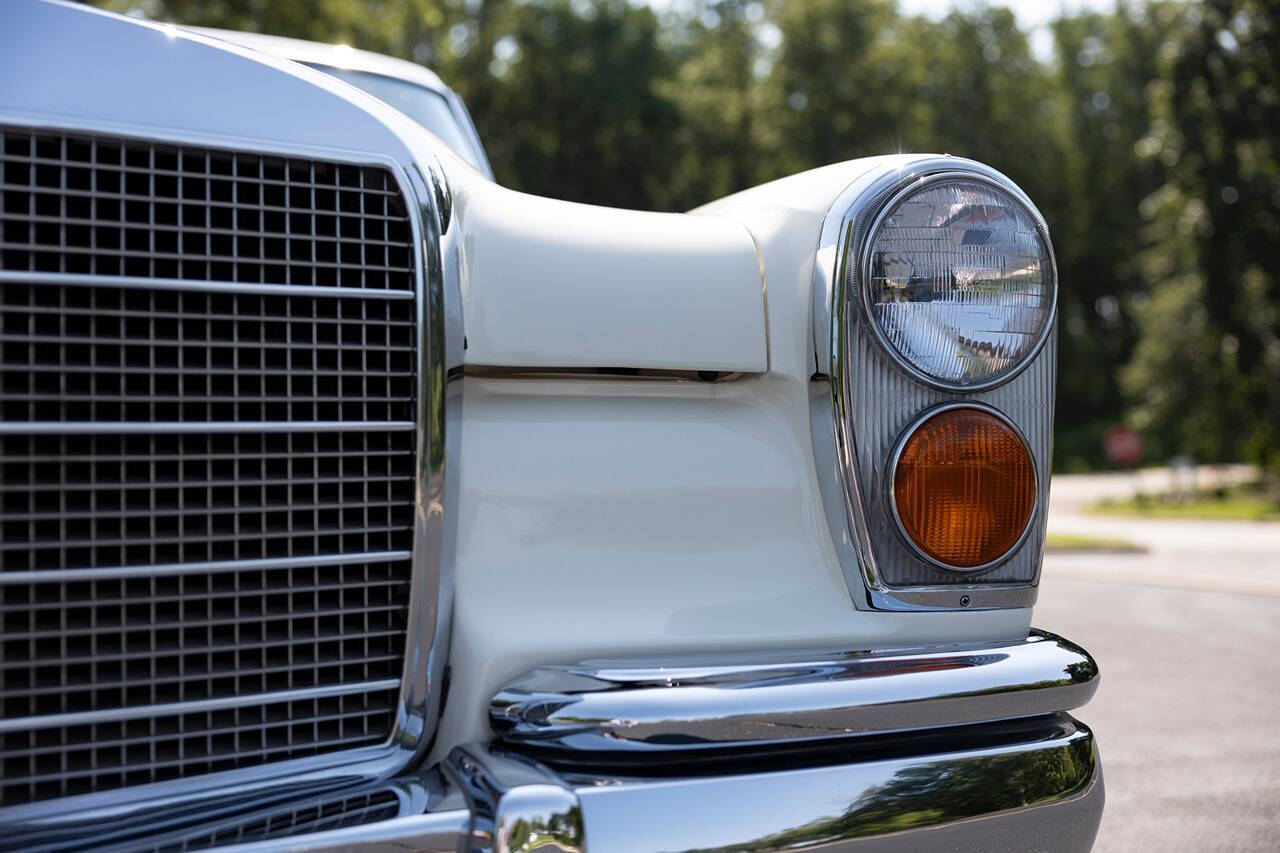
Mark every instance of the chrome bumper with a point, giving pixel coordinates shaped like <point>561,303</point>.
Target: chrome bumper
<point>958,748</point>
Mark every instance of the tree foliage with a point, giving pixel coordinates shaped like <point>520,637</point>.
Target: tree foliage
<point>1205,375</point>
<point>1149,140</point>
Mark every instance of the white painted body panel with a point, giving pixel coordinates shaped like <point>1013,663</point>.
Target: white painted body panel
<point>553,284</point>
<point>618,517</point>
<point>106,79</point>
<point>615,517</point>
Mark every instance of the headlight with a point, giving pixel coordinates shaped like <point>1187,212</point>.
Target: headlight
<point>933,339</point>
<point>959,281</point>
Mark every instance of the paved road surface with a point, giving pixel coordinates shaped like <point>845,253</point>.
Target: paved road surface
<point>1188,711</point>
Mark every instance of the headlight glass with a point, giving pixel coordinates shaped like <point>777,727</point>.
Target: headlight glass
<point>959,282</point>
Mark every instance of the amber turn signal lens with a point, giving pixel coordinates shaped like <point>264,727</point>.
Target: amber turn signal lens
<point>964,487</point>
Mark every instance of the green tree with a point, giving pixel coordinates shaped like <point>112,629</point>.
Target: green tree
<point>721,143</point>
<point>1104,64</point>
<point>575,110</point>
<point>1206,371</point>
<point>843,97</point>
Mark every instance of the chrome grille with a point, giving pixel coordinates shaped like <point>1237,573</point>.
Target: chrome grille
<point>88,756</point>
<point>335,813</point>
<point>105,206</point>
<point>100,353</point>
<point>207,406</point>
<point>73,500</point>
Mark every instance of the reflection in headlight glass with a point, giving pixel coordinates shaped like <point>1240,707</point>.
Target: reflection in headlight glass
<point>961,282</point>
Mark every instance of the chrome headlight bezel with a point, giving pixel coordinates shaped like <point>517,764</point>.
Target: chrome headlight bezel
<point>863,271</point>
<point>862,396</point>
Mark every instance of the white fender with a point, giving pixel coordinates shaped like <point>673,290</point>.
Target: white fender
<point>553,284</point>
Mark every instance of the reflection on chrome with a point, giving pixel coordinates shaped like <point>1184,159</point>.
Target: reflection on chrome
<point>1044,793</point>
<point>748,777</point>
<point>690,704</point>
<point>1028,785</point>
<point>516,804</point>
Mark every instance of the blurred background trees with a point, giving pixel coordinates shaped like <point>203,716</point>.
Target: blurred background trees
<point>1148,137</point>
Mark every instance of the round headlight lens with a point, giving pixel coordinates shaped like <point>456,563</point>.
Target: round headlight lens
<point>960,281</point>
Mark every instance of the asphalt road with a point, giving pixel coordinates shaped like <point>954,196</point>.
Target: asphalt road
<point>1187,715</point>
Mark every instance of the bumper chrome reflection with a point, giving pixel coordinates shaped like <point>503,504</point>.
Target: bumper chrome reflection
<point>1041,790</point>
<point>1042,794</point>
<point>943,748</point>
<point>629,706</point>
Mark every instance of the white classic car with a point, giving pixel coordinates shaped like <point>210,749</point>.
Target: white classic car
<point>353,501</point>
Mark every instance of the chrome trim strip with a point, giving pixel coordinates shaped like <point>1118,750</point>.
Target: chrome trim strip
<point>148,427</point>
<point>78,718</point>
<point>439,301</point>
<point>439,421</point>
<point>1044,793</point>
<point>67,575</point>
<point>86,280</point>
<point>435,832</point>
<point>892,468</point>
<point>684,704</point>
<point>952,596</point>
<point>835,446</point>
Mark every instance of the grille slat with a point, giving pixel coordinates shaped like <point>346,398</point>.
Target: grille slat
<point>175,682</point>
<point>207,404</point>
<point>301,481</point>
<point>208,567</point>
<point>158,283</point>
<point>193,257</point>
<point>283,617</point>
<point>71,221</point>
<point>74,720</point>
<point>148,654</point>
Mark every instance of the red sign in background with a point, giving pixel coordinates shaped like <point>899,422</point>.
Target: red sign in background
<point>1123,446</point>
